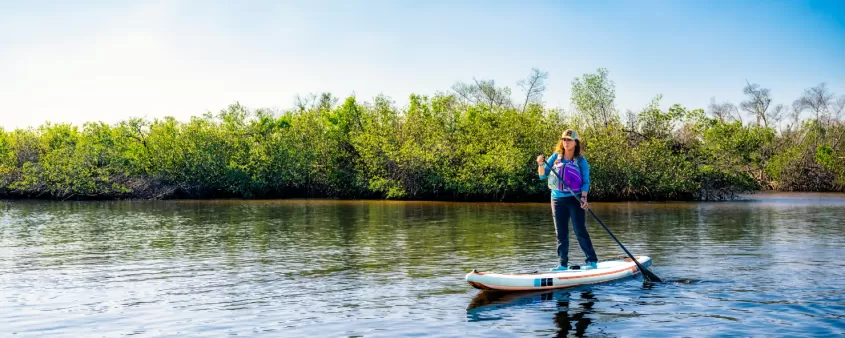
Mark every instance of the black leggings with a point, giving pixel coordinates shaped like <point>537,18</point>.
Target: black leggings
<point>564,209</point>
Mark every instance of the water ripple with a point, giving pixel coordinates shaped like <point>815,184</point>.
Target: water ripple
<point>387,269</point>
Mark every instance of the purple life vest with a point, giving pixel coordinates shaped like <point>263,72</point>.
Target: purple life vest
<point>571,174</point>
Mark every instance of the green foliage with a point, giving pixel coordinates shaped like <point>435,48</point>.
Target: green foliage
<point>832,161</point>
<point>736,145</point>
<point>594,96</point>
<point>471,145</point>
<point>826,157</point>
<point>811,158</point>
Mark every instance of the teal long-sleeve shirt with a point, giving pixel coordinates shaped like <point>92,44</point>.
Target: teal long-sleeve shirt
<point>585,174</point>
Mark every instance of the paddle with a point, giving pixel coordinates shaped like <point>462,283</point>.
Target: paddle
<point>648,275</point>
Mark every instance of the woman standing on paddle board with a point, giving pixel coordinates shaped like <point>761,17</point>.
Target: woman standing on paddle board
<point>568,162</point>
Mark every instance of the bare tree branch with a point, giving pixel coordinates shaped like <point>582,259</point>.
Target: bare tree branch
<point>816,99</point>
<point>304,103</point>
<point>465,91</point>
<point>534,87</point>
<point>838,109</point>
<point>777,114</point>
<point>723,111</point>
<point>758,102</point>
<point>483,92</point>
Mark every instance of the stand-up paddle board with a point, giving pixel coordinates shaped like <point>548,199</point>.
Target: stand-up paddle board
<point>605,271</point>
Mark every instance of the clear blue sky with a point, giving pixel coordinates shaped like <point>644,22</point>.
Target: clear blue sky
<point>109,60</point>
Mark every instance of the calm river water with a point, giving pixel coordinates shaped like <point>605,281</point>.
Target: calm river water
<point>770,266</point>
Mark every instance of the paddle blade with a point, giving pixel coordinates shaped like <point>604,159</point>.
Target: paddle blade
<point>651,277</point>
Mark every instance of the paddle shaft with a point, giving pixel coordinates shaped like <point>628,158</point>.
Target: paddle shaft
<point>647,274</point>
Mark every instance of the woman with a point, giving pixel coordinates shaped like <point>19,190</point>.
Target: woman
<point>568,162</point>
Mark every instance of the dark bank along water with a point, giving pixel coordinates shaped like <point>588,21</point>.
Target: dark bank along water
<point>770,266</point>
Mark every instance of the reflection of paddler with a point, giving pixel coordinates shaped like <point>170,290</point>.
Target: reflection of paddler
<point>565,318</point>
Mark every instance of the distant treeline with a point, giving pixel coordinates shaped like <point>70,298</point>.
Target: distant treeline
<point>474,142</point>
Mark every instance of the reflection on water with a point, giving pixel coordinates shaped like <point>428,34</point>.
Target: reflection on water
<point>770,265</point>
<point>570,315</point>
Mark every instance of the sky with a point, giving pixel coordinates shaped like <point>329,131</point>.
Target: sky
<point>79,61</point>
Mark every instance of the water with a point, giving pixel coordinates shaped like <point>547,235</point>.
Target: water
<point>769,266</point>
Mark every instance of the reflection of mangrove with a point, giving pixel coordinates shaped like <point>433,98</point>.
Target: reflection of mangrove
<point>364,236</point>
<point>571,314</point>
<point>648,227</point>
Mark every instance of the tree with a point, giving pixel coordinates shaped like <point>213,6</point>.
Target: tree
<point>483,92</point>
<point>654,123</point>
<point>777,114</point>
<point>758,102</point>
<point>304,103</point>
<point>534,87</point>
<point>594,95</point>
<point>838,109</point>
<point>817,100</point>
<point>723,111</point>
<point>631,120</point>
<point>321,102</point>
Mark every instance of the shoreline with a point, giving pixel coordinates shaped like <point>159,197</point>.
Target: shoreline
<point>764,196</point>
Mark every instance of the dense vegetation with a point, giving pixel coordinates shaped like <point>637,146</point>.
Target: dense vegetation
<point>471,143</point>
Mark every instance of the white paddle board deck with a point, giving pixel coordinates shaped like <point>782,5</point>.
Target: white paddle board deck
<point>605,271</point>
